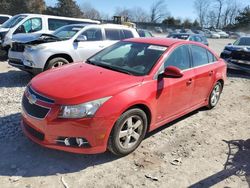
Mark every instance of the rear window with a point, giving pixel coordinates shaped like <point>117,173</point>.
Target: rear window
<point>3,19</point>
<point>57,23</point>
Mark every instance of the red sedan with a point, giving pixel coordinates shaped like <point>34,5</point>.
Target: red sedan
<point>118,95</point>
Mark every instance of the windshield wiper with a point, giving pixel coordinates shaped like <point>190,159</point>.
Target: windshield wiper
<point>108,67</point>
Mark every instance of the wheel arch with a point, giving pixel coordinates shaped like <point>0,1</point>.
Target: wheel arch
<point>62,55</point>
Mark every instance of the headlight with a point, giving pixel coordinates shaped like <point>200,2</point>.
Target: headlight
<point>34,47</point>
<point>87,109</point>
<point>227,51</point>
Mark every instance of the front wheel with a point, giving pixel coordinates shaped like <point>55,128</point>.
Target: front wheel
<point>56,62</point>
<point>128,132</point>
<point>215,95</point>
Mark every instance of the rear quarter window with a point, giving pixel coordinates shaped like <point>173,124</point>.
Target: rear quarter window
<point>128,34</point>
<point>3,19</point>
<point>211,57</point>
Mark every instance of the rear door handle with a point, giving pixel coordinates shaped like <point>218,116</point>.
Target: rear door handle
<point>211,73</point>
<point>189,81</point>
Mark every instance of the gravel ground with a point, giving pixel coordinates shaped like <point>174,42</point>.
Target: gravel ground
<point>192,151</point>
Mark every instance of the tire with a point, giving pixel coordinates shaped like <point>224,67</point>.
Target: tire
<point>128,132</point>
<point>56,62</point>
<point>215,95</point>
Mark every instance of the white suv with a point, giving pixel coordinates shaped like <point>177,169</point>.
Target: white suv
<point>38,52</point>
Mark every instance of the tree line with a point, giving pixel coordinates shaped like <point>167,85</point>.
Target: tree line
<point>228,14</point>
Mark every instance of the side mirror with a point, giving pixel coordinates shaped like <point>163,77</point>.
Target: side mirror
<point>81,38</point>
<point>172,72</point>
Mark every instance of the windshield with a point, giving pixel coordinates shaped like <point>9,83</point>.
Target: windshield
<point>67,32</point>
<point>245,41</point>
<point>13,21</point>
<point>129,57</point>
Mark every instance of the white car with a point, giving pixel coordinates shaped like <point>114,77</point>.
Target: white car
<point>38,52</point>
<point>35,23</point>
<point>223,34</point>
<point>212,34</point>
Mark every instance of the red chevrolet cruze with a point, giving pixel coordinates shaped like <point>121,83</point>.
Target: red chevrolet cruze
<point>118,95</point>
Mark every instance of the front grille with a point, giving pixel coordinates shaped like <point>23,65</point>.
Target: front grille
<point>33,132</point>
<point>241,55</point>
<point>17,47</point>
<point>33,109</point>
<point>15,61</point>
<point>39,96</point>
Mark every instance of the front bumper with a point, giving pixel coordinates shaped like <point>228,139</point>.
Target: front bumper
<point>18,63</point>
<point>238,65</point>
<point>46,132</point>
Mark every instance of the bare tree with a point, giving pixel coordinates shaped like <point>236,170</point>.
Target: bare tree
<point>220,4</point>
<point>90,12</point>
<point>139,15</point>
<point>202,8</point>
<point>158,11</point>
<point>123,12</point>
<point>211,18</point>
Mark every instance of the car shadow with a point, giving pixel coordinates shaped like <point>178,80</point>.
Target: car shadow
<point>237,74</point>
<point>21,157</point>
<point>14,78</point>
<point>238,164</point>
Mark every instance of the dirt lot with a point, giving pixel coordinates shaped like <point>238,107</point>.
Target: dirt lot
<point>192,151</point>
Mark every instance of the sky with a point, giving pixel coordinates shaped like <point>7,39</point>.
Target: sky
<point>177,8</point>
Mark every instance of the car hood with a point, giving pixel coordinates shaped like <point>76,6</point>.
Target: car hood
<point>81,82</point>
<point>35,38</point>
<point>237,48</point>
<point>4,29</point>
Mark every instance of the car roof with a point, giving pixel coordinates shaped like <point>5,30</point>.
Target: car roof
<point>158,41</point>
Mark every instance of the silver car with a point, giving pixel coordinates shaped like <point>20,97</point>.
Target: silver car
<point>38,52</point>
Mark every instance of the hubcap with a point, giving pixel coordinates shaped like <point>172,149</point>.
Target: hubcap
<point>58,64</point>
<point>215,95</point>
<point>130,132</point>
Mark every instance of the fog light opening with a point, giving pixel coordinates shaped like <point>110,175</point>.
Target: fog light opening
<point>73,142</point>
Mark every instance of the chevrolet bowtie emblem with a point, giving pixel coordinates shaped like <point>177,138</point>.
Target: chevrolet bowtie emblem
<point>32,99</point>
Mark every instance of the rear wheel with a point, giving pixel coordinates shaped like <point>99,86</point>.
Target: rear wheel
<point>215,95</point>
<point>128,132</point>
<point>56,62</point>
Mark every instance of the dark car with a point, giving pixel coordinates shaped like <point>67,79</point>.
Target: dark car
<point>189,36</point>
<point>144,33</point>
<point>237,55</point>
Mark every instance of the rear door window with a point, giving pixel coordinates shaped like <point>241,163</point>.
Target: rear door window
<point>113,34</point>
<point>127,34</point>
<point>199,55</point>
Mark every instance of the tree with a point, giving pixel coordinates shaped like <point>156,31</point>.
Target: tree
<point>220,4</point>
<point>243,20</point>
<point>195,24</point>
<point>68,8</point>
<point>201,7</point>
<point>90,12</point>
<point>158,11</point>
<point>36,6</point>
<point>5,6</point>
<point>139,15</point>
<point>123,12</point>
<point>172,22</point>
<point>187,23</point>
